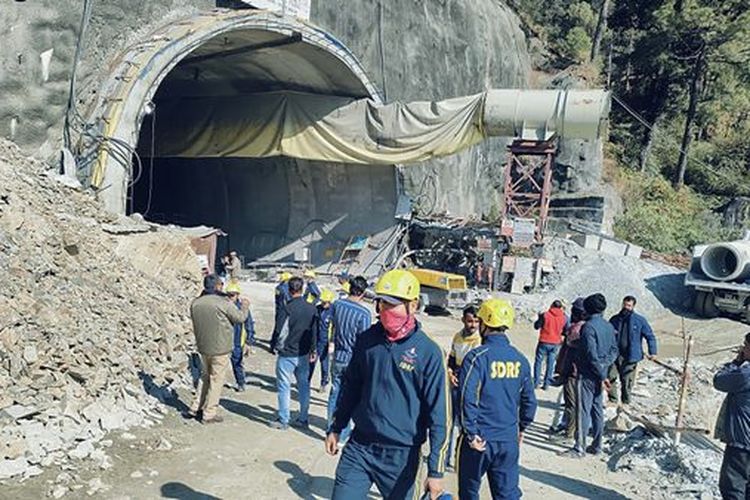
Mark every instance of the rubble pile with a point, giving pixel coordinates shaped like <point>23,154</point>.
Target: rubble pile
<point>87,337</point>
<point>675,471</point>
<point>581,271</point>
<point>690,469</point>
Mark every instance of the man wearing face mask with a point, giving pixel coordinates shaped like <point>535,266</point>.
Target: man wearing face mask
<point>396,390</point>
<point>631,329</point>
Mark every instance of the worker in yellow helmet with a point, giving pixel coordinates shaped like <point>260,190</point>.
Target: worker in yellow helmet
<point>244,336</point>
<point>282,298</point>
<point>395,389</point>
<point>325,330</point>
<point>312,290</point>
<point>497,404</point>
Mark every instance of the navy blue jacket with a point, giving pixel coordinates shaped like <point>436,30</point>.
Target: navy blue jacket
<point>598,348</point>
<point>396,392</point>
<point>734,379</point>
<point>639,330</point>
<point>496,392</point>
<point>312,292</point>
<point>282,296</point>
<point>325,327</point>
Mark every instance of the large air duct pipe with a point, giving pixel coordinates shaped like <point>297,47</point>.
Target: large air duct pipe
<point>541,114</point>
<point>727,261</point>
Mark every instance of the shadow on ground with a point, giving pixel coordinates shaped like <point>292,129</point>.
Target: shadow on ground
<point>264,414</point>
<point>571,486</point>
<point>164,394</point>
<point>671,292</point>
<point>184,492</point>
<point>303,484</point>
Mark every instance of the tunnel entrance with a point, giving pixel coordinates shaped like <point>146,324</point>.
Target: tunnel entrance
<point>275,208</point>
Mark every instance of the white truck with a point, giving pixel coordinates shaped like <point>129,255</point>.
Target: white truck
<point>720,275</point>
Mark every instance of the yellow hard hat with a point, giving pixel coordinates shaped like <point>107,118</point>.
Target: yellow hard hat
<point>233,287</point>
<point>309,273</point>
<point>397,284</point>
<point>496,313</point>
<point>285,276</point>
<point>327,296</point>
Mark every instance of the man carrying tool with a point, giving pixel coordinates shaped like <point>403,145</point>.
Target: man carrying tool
<point>312,290</point>
<point>243,334</point>
<point>325,329</point>
<point>631,329</point>
<point>281,299</point>
<point>296,348</point>
<point>463,342</point>
<point>597,351</point>
<point>213,318</point>
<point>497,405</point>
<point>395,388</point>
<point>350,318</point>
<point>733,425</point>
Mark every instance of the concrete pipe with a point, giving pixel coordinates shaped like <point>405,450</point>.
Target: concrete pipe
<point>540,114</point>
<point>727,261</point>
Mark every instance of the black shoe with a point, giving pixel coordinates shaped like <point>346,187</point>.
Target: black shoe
<point>544,387</point>
<point>593,451</point>
<point>300,424</point>
<point>191,415</point>
<point>571,453</point>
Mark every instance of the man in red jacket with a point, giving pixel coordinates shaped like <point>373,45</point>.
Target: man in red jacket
<point>551,325</point>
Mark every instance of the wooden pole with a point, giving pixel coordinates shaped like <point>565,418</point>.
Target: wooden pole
<point>683,391</point>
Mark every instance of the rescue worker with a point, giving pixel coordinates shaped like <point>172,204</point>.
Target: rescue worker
<point>312,290</point>
<point>598,350</point>
<point>497,404</point>
<point>233,266</point>
<point>464,341</point>
<point>296,347</point>
<point>213,319</point>
<point>350,318</point>
<point>243,332</point>
<point>631,329</point>
<point>567,370</point>
<point>344,284</point>
<point>396,390</point>
<point>733,425</point>
<point>281,299</point>
<point>551,325</point>
<point>325,329</point>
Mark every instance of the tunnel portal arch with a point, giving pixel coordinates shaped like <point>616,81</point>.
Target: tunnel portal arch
<point>226,52</point>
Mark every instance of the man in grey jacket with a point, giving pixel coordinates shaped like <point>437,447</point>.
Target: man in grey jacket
<point>733,426</point>
<point>214,317</point>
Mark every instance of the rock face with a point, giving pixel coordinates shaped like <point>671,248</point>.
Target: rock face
<point>434,50</point>
<point>412,50</point>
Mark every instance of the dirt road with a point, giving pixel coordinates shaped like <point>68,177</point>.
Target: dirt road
<point>244,458</point>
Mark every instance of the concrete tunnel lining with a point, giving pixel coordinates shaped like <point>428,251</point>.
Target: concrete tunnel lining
<point>317,204</point>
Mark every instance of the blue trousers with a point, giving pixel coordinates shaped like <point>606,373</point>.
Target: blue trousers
<point>548,352</point>
<point>393,470</point>
<point>324,366</point>
<point>590,412</point>
<point>237,368</point>
<point>286,366</point>
<point>338,375</point>
<point>499,461</point>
